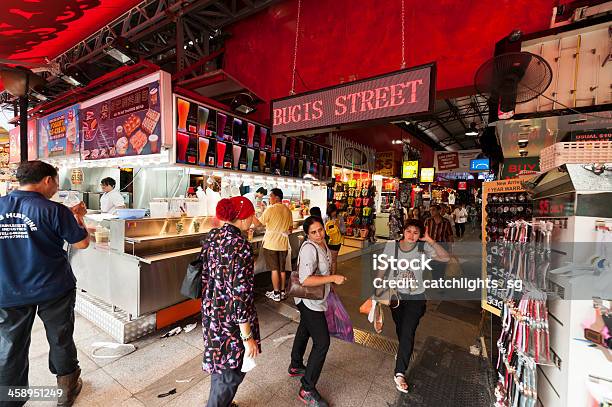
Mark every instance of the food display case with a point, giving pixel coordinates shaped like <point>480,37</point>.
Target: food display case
<point>142,266</point>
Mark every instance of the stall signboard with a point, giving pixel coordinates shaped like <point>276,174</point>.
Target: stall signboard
<point>446,161</point>
<point>592,135</point>
<point>514,167</point>
<point>209,137</point>
<point>480,164</point>
<point>58,133</point>
<point>410,169</point>
<point>126,123</point>
<point>14,149</point>
<point>385,163</point>
<point>15,142</point>
<point>396,94</point>
<point>462,186</point>
<point>456,161</point>
<point>427,174</point>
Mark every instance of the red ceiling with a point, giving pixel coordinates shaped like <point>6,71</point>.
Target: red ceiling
<point>31,30</point>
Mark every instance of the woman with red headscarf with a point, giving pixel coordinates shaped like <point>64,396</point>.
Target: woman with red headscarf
<point>229,319</point>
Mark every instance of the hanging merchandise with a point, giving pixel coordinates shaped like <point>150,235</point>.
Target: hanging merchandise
<point>396,221</point>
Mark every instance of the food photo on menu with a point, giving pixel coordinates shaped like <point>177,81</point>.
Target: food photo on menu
<point>126,125</point>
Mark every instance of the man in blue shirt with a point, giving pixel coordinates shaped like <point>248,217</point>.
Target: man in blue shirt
<point>36,277</point>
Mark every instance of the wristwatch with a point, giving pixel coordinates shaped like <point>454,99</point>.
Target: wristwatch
<point>247,337</point>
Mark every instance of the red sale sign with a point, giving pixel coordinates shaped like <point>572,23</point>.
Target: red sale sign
<point>398,94</point>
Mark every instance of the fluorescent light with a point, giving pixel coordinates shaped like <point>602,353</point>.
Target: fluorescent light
<point>576,121</point>
<point>38,96</point>
<point>523,140</point>
<point>70,80</point>
<point>471,133</point>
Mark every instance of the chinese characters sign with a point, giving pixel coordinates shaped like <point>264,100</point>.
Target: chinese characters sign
<point>126,125</point>
<point>15,142</point>
<point>58,133</point>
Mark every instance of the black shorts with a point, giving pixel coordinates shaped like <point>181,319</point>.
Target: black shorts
<point>334,247</point>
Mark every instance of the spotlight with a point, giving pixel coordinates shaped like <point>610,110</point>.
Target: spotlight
<point>243,103</point>
<point>522,143</point>
<point>576,121</point>
<point>473,131</point>
<point>120,49</point>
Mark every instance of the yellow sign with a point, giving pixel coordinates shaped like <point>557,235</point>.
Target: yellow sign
<point>76,176</point>
<point>410,169</point>
<point>427,174</point>
<point>385,164</point>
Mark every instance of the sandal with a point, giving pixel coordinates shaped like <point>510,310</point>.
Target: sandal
<point>378,318</point>
<point>400,382</point>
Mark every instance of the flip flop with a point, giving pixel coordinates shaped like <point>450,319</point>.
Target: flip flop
<point>400,380</point>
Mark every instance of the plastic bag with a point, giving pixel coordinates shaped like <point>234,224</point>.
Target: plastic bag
<point>338,320</point>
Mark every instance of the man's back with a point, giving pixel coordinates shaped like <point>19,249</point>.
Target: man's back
<point>33,264</point>
<point>439,231</point>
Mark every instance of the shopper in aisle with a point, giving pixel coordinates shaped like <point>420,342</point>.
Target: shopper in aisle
<point>416,214</point>
<point>229,318</point>
<point>314,265</point>
<point>335,230</point>
<point>473,217</point>
<point>415,243</point>
<point>446,211</point>
<point>278,221</point>
<point>439,227</point>
<point>37,278</point>
<point>111,199</point>
<point>460,216</point>
<point>315,211</point>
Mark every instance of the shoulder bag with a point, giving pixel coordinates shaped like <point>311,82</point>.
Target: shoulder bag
<point>192,283</point>
<point>296,289</point>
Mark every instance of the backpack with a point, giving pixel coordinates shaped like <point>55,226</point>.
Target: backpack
<point>333,232</point>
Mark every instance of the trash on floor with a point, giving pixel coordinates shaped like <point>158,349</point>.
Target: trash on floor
<point>190,327</point>
<point>184,380</point>
<point>279,341</point>
<point>123,349</point>
<point>172,332</point>
<point>173,391</point>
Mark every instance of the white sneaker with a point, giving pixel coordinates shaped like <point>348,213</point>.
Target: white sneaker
<point>283,295</point>
<point>274,297</point>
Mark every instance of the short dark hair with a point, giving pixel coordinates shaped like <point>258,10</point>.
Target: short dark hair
<point>331,209</point>
<point>438,207</point>
<point>262,190</point>
<point>309,221</point>
<point>315,211</point>
<point>32,172</point>
<point>277,192</point>
<point>108,181</point>
<point>416,224</point>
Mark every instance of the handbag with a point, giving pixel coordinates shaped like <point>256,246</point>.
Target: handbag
<point>296,289</point>
<point>192,283</point>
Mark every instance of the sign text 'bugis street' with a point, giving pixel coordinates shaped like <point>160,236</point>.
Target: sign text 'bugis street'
<point>397,94</point>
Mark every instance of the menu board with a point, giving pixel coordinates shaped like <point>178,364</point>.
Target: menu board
<point>212,138</point>
<point>58,133</point>
<point>125,125</point>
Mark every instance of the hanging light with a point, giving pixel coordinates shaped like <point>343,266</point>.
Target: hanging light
<point>243,103</point>
<point>120,50</point>
<point>473,131</point>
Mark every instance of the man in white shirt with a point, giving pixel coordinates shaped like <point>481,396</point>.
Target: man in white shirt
<point>461,216</point>
<point>256,199</point>
<point>112,199</point>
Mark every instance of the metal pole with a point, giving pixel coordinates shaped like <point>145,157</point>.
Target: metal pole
<point>23,122</point>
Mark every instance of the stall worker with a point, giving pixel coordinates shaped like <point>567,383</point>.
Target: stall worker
<point>112,199</point>
<point>256,198</point>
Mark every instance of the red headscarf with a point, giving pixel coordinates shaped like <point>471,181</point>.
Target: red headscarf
<point>238,207</point>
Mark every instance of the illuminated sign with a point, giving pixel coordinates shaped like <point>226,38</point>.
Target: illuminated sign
<point>462,186</point>
<point>410,169</point>
<point>480,164</point>
<point>427,174</point>
<point>397,94</point>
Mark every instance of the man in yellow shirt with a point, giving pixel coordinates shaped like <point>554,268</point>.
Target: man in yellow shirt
<point>278,221</point>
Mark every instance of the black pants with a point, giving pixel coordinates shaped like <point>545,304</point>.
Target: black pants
<point>406,317</point>
<point>15,334</point>
<point>223,387</point>
<point>312,325</point>
<point>460,229</point>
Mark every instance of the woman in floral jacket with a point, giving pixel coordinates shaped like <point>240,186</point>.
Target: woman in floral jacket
<point>229,318</point>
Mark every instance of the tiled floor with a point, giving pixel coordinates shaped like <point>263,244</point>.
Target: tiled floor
<point>354,376</point>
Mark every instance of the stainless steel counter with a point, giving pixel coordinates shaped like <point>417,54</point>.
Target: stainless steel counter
<point>143,266</point>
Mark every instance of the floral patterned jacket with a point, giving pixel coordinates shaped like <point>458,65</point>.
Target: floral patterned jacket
<point>227,297</point>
